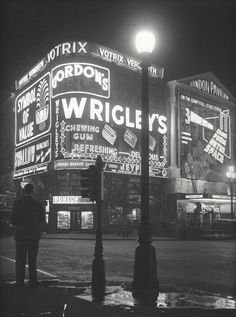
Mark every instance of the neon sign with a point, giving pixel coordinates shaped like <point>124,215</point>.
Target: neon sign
<point>86,49</point>
<point>91,79</point>
<point>32,127</point>
<point>116,139</point>
<point>33,155</point>
<point>96,111</point>
<point>33,111</point>
<point>93,120</point>
<point>206,144</point>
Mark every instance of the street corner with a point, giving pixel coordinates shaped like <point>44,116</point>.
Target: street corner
<point>28,301</point>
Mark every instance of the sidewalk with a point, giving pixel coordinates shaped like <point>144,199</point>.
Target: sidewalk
<point>58,302</point>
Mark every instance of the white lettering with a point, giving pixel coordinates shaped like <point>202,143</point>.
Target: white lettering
<point>73,107</point>
<point>117,120</point>
<point>104,112</point>
<point>209,87</point>
<point>26,132</point>
<point>26,100</point>
<point>25,156</point>
<point>99,74</point>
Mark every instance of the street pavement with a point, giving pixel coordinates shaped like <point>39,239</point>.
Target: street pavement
<point>61,302</point>
<point>59,298</point>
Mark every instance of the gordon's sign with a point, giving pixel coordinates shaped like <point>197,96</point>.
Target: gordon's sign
<point>81,77</point>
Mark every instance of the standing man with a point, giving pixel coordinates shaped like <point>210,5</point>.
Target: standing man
<point>28,215</point>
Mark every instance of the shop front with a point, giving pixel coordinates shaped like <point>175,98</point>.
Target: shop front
<point>194,215</point>
<point>72,214</point>
<point>201,211</point>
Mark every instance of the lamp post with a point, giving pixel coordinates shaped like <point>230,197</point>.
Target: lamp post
<point>98,265</point>
<point>145,287</point>
<point>231,174</point>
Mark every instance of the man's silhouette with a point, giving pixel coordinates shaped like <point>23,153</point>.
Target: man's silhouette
<point>28,214</point>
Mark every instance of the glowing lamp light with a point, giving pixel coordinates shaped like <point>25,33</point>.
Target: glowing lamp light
<point>231,172</point>
<point>145,42</point>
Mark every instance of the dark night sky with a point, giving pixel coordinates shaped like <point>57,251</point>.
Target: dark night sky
<point>195,36</point>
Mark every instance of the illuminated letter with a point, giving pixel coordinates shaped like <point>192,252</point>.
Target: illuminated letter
<point>96,108</point>
<point>163,126</point>
<point>127,116</point>
<point>151,120</point>
<point>82,47</point>
<point>88,72</point>
<point>25,116</point>
<point>107,112</point>
<point>138,119</point>
<point>73,107</point>
<point>60,75</point>
<point>78,69</point>
<point>66,48</point>
<point>68,71</point>
<point>113,114</point>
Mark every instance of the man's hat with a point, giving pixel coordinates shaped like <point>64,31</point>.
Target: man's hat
<point>28,189</point>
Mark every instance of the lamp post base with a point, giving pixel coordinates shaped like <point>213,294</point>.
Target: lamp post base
<point>145,285</point>
<point>98,280</point>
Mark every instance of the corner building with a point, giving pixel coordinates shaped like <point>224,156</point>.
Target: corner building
<point>80,101</point>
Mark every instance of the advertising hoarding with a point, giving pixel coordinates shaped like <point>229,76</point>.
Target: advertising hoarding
<point>85,98</point>
<point>33,111</point>
<point>33,157</point>
<point>81,48</point>
<point>205,133</point>
<point>32,126</point>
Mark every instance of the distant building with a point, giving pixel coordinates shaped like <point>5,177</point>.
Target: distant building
<point>203,138</point>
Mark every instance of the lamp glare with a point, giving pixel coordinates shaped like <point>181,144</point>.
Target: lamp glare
<point>145,42</point>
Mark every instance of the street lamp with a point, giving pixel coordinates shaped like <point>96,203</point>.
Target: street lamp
<point>145,288</point>
<point>231,174</point>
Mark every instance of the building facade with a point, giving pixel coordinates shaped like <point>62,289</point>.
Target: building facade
<point>202,115</point>
<point>83,100</point>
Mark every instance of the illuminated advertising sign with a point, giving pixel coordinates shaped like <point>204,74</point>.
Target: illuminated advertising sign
<point>70,200</point>
<point>30,157</point>
<point>87,97</point>
<point>205,138</point>
<point>78,48</point>
<point>33,111</point>
<point>32,127</point>
<point>89,78</point>
<point>98,112</point>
